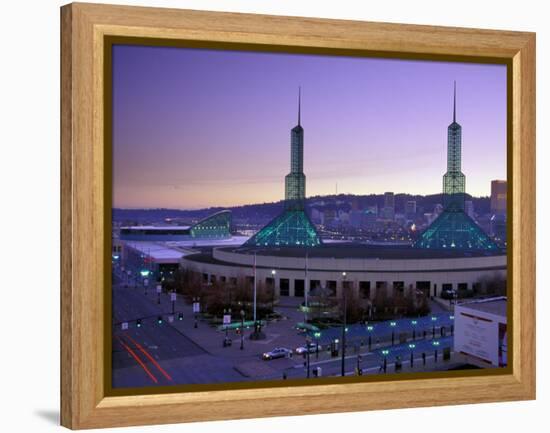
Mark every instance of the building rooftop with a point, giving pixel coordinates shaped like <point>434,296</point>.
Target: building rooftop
<point>158,251</point>
<point>175,250</point>
<point>159,228</point>
<point>497,306</point>
<point>366,251</point>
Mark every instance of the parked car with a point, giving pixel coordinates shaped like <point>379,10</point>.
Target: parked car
<point>448,294</point>
<point>311,347</point>
<point>279,352</point>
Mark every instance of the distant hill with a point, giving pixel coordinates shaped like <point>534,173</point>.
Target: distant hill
<point>265,211</point>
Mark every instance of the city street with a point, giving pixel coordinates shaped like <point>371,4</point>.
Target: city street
<point>167,348</point>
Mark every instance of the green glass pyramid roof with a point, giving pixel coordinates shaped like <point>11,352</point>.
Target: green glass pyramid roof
<point>291,228</point>
<point>455,229</point>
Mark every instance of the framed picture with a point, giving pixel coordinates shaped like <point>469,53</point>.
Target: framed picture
<point>266,216</point>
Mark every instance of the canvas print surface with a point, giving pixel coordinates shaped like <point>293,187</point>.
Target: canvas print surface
<point>282,217</point>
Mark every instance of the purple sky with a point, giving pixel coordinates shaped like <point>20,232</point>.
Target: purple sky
<point>196,128</point>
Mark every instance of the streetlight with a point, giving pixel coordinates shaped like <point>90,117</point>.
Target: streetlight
<point>196,308</point>
<point>413,323</point>
<point>317,335</point>
<point>306,287</point>
<point>436,345</point>
<point>370,328</point>
<point>412,346</point>
<point>385,352</point>
<point>273,272</point>
<point>242,329</point>
<point>344,286</point>
<point>393,325</point>
<point>358,351</point>
<point>308,342</point>
<point>159,290</point>
<point>255,285</point>
<point>173,299</point>
<point>225,313</point>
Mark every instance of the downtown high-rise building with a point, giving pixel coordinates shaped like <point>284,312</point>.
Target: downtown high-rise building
<point>388,211</point>
<point>410,209</point>
<point>499,190</point>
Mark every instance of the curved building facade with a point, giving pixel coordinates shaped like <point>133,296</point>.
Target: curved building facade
<point>364,269</point>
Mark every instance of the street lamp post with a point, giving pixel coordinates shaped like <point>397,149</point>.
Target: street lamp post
<point>159,290</point>
<point>242,329</point>
<point>173,298</point>
<point>226,329</point>
<point>306,289</point>
<point>196,307</point>
<point>358,351</point>
<point>128,273</point>
<point>344,324</point>
<point>412,346</point>
<point>436,345</point>
<point>393,325</point>
<point>370,329</point>
<point>308,342</point>
<point>255,291</point>
<point>385,365</point>
<point>273,272</point>
<point>226,312</point>
<point>317,335</point>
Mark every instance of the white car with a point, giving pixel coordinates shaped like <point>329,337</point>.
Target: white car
<point>279,352</point>
<point>311,347</point>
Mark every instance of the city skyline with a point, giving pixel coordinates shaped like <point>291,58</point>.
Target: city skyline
<point>241,157</point>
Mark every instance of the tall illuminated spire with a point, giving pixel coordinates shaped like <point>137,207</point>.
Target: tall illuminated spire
<point>453,228</point>
<point>299,103</point>
<point>454,182</point>
<point>292,227</point>
<point>295,181</point>
<point>454,105</point>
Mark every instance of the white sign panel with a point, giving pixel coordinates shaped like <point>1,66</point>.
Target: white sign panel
<point>173,297</point>
<point>476,335</point>
<point>124,326</point>
<point>196,307</point>
<point>227,319</point>
<point>159,288</point>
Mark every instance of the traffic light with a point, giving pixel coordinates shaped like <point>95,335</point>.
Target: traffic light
<point>180,316</point>
<point>138,323</point>
<point>159,320</point>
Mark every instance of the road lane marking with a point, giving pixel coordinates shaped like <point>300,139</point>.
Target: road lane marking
<point>140,362</point>
<point>166,375</point>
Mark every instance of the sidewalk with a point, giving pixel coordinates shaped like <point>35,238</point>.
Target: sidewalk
<point>207,336</point>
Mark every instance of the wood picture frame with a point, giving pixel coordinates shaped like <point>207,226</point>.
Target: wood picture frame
<point>85,223</point>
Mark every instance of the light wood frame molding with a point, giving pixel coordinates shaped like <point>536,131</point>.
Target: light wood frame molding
<point>84,227</point>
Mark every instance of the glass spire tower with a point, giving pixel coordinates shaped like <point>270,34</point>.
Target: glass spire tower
<point>453,228</point>
<point>295,181</point>
<point>293,227</point>
<point>454,181</point>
